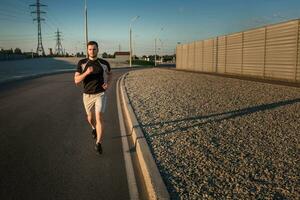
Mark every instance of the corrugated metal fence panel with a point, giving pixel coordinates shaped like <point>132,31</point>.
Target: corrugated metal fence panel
<point>221,54</point>
<point>254,52</point>
<point>215,57</point>
<point>184,56</point>
<point>208,55</point>
<point>178,56</point>
<point>272,52</point>
<point>186,67</point>
<point>181,54</point>
<point>181,60</point>
<point>280,50</point>
<point>198,55</point>
<point>234,53</point>
<point>191,56</point>
<point>297,75</point>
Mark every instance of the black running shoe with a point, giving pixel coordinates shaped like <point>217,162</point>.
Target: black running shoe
<point>98,148</point>
<point>94,133</point>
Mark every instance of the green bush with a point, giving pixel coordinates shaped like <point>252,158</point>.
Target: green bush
<point>142,62</point>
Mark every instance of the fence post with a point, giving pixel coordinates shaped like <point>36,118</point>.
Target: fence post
<point>202,54</point>
<point>297,50</point>
<point>242,53</point>
<point>187,57</point>
<point>194,67</point>
<point>181,56</point>
<point>217,51</point>
<point>213,50</point>
<point>176,57</point>
<point>225,65</point>
<point>265,53</point>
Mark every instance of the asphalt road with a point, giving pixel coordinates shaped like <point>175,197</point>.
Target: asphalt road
<point>46,147</point>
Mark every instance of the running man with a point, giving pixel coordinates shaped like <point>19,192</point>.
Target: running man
<point>95,73</point>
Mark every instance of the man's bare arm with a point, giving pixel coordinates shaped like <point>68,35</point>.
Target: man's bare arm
<point>80,77</point>
<point>107,84</point>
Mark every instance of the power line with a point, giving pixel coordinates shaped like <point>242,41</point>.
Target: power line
<point>18,39</point>
<point>18,36</point>
<point>53,23</point>
<point>22,40</point>
<point>53,19</point>
<point>14,16</point>
<point>50,26</point>
<point>15,12</point>
<point>22,2</point>
<point>22,21</point>
<point>9,6</point>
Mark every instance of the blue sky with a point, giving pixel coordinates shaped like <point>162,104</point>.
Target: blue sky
<point>171,21</point>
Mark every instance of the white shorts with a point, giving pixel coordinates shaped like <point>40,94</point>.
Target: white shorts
<point>94,102</point>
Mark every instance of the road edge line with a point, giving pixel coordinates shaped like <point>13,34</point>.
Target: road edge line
<point>132,185</point>
<point>155,186</point>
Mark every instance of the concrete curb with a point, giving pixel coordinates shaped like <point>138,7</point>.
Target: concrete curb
<point>155,186</point>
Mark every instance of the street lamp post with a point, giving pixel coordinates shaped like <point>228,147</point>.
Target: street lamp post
<point>155,47</point>
<point>130,48</point>
<point>175,53</point>
<point>130,40</point>
<point>86,28</point>
<point>155,53</point>
<point>162,50</point>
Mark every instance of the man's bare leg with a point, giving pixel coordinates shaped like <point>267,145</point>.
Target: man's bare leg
<point>99,126</point>
<point>91,120</point>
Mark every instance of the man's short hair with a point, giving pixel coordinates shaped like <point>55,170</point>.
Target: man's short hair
<point>92,43</point>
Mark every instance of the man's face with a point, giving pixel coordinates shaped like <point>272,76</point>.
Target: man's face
<point>92,51</point>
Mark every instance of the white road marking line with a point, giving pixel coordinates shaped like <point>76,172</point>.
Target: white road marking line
<point>132,186</point>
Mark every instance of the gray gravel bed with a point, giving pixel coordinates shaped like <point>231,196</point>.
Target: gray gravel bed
<point>219,138</point>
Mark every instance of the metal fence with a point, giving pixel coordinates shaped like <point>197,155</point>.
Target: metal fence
<point>270,52</point>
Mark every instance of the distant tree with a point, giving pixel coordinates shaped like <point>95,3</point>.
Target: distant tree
<point>80,54</point>
<point>10,51</point>
<point>167,58</point>
<point>152,57</point>
<point>104,55</point>
<point>110,56</point>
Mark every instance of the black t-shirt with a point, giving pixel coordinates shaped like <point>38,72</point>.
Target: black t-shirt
<point>93,82</point>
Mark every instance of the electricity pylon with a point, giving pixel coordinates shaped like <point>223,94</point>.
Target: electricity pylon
<point>38,12</point>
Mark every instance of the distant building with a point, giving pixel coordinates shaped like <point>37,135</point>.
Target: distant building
<point>146,58</point>
<point>122,56</point>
